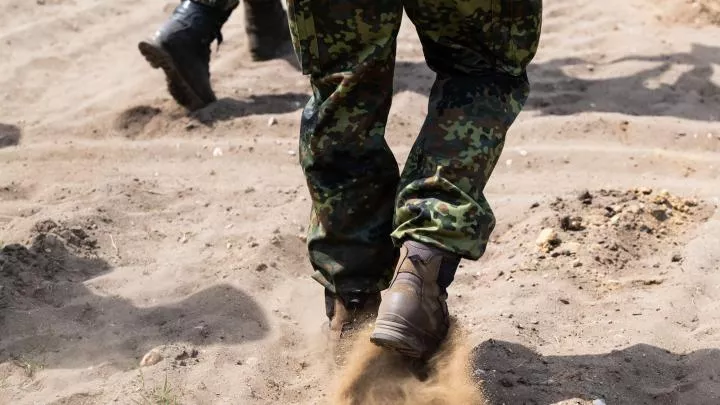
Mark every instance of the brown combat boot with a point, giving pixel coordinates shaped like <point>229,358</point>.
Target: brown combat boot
<point>413,317</point>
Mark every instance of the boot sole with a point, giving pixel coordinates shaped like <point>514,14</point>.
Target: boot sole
<point>399,338</point>
<point>178,87</point>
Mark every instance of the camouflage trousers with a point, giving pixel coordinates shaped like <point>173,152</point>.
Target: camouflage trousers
<point>362,207</point>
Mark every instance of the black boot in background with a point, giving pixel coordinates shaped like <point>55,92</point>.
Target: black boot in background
<point>181,48</point>
<point>267,30</point>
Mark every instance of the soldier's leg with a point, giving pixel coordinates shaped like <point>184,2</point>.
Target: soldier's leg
<point>348,50</point>
<point>479,50</point>
<point>181,48</point>
<point>267,30</point>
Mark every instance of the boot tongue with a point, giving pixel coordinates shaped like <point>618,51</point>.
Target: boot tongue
<point>424,253</point>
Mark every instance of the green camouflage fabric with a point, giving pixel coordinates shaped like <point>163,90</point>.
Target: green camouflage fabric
<point>362,208</point>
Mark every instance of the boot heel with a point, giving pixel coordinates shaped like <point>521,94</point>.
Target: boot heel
<point>397,337</point>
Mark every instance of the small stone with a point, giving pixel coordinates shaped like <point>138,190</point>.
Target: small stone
<point>508,162</point>
<point>261,267</point>
<point>568,223</point>
<point>585,197</point>
<point>659,214</point>
<point>565,301</point>
<point>645,190</point>
<point>182,356</point>
<point>217,152</point>
<point>635,209</point>
<point>292,153</point>
<point>548,239</point>
<point>691,203</point>
<point>272,121</point>
<point>610,212</point>
<point>676,258</point>
<point>577,263</point>
<point>151,358</point>
<point>79,232</point>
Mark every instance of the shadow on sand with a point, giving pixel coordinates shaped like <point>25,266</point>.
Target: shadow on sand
<point>49,315</point>
<point>637,375</point>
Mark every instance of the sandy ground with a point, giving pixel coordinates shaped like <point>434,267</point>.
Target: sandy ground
<point>129,226</point>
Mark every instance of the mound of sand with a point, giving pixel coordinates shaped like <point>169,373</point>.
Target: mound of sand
<point>697,12</point>
<point>608,230</point>
<point>56,256</point>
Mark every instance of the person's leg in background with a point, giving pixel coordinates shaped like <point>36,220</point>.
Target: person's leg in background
<point>266,25</point>
<point>479,50</point>
<point>348,51</point>
<point>181,46</point>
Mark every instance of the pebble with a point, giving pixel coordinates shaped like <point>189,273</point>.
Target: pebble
<point>659,214</point>
<point>547,238</point>
<point>272,121</point>
<point>217,152</point>
<point>585,197</point>
<point>151,358</point>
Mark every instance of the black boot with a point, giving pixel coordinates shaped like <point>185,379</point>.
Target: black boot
<point>181,48</point>
<point>266,25</point>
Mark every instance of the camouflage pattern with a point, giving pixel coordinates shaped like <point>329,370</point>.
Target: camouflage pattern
<point>362,208</point>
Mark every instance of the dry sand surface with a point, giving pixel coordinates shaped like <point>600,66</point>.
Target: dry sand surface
<point>130,228</point>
